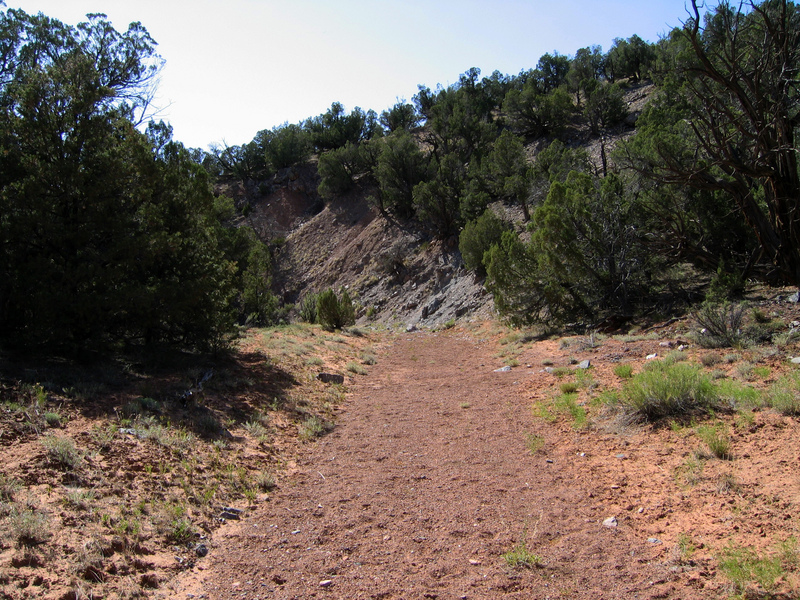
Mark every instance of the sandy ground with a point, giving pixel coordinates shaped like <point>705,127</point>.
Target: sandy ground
<point>434,474</point>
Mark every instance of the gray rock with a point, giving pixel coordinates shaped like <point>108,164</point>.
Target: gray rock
<point>201,550</point>
<point>631,118</point>
<point>230,513</point>
<point>795,298</point>
<point>505,369</point>
<point>411,327</point>
<point>651,356</point>
<point>549,370</point>
<point>654,540</point>
<point>330,378</point>
<point>795,361</point>
<point>610,522</point>
<point>584,364</point>
<point>432,306</point>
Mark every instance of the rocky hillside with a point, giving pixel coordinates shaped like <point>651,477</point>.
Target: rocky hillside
<point>396,274</point>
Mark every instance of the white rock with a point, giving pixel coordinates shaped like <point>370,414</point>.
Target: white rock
<point>610,522</point>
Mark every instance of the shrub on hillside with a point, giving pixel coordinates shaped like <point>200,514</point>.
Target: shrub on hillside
<point>477,237</point>
<point>334,312</point>
<point>308,308</point>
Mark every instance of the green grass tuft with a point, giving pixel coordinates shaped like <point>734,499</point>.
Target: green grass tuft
<point>663,390</point>
<point>623,371</point>
<point>520,557</point>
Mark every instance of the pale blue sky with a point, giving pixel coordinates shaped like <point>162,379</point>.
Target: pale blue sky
<point>239,66</point>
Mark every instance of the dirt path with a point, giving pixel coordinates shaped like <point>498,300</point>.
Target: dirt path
<point>427,481</point>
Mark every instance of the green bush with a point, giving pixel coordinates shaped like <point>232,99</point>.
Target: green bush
<point>721,324</point>
<point>784,395</point>
<point>286,145</point>
<point>477,237</point>
<point>623,371</point>
<point>333,312</point>
<point>62,452</point>
<point>308,308</point>
<point>258,303</point>
<point>725,284</point>
<point>29,526</point>
<point>121,224</point>
<point>663,390</point>
<point>340,168</point>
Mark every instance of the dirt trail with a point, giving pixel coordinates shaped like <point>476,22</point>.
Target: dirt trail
<point>427,481</point>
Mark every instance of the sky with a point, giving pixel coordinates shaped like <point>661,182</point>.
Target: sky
<point>236,67</point>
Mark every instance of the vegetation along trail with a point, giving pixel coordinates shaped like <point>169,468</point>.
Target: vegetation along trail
<point>433,485</point>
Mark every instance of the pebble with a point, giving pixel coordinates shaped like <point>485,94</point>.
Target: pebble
<point>505,369</point>
<point>651,356</point>
<point>585,364</point>
<point>325,582</point>
<point>796,360</point>
<point>610,522</point>
<point>472,561</point>
<point>654,540</point>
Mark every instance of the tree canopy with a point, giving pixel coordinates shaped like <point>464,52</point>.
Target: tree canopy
<point>726,119</point>
<point>122,225</point>
<point>107,234</point>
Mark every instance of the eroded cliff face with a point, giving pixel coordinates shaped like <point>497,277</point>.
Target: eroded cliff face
<point>393,272</point>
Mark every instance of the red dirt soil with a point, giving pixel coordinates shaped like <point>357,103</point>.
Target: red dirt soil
<point>431,476</point>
